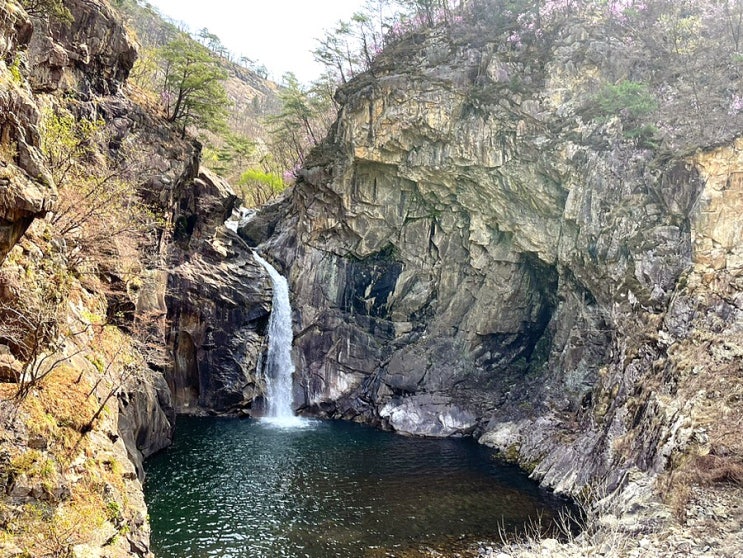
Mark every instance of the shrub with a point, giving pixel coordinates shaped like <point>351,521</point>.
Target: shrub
<point>631,101</point>
<point>628,99</point>
<point>258,187</point>
<point>15,70</point>
<point>99,209</point>
<point>65,141</point>
<point>54,9</point>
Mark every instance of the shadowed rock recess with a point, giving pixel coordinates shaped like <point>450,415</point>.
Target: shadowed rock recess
<point>467,256</point>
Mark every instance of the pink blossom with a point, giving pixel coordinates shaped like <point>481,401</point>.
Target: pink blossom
<point>621,10</point>
<point>514,39</point>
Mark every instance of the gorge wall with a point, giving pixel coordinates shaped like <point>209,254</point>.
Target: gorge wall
<point>72,450</point>
<point>218,304</point>
<point>474,250</point>
<point>160,316</point>
<point>470,252</point>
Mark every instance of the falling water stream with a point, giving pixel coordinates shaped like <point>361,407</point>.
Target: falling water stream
<point>279,367</point>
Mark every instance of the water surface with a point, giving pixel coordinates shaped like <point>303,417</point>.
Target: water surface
<point>242,488</point>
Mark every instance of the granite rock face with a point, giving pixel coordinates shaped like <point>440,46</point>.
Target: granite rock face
<point>90,56</point>
<point>146,417</point>
<point>467,256</point>
<point>27,190</point>
<point>216,305</point>
<point>218,301</point>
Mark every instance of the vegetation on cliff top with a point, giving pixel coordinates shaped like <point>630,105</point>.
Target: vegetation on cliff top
<point>200,87</point>
<point>193,93</point>
<point>668,70</point>
<point>47,8</point>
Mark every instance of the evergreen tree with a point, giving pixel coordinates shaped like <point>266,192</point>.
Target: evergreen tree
<point>305,116</point>
<point>193,92</point>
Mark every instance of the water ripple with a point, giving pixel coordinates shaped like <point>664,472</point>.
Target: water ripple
<point>254,489</point>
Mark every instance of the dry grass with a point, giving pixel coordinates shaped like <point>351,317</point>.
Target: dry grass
<point>714,468</point>
<point>585,532</point>
<point>707,369</point>
<point>75,483</point>
<point>74,480</point>
<point>66,395</point>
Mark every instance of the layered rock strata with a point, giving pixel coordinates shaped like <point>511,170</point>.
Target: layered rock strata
<point>468,256</point>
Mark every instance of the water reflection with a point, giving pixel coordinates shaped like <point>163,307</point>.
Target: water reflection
<point>233,488</point>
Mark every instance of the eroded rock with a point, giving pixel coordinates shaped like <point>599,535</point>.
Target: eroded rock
<point>218,302</point>
<point>468,256</point>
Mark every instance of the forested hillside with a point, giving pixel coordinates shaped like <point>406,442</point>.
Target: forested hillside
<point>229,104</point>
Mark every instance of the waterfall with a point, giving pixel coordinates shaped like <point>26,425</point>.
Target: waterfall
<point>240,217</point>
<point>279,367</point>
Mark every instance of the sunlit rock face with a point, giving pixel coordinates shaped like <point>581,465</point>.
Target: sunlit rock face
<point>468,256</point>
<point>92,55</point>
<point>717,231</point>
<point>27,190</point>
<point>439,246</point>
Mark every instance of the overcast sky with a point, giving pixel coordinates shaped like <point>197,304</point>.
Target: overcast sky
<point>278,33</point>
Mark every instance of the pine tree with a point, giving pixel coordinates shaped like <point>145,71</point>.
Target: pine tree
<point>193,92</point>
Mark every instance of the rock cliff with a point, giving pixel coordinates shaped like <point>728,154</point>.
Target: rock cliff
<point>218,306</point>
<point>91,55</point>
<point>26,188</point>
<point>169,319</point>
<point>72,452</point>
<point>472,252</point>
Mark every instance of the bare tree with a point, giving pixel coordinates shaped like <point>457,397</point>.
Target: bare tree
<point>33,335</point>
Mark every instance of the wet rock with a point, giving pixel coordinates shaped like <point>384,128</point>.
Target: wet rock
<point>218,301</point>
<point>146,416</point>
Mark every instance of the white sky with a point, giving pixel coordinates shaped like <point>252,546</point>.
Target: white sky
<point>277,33</point>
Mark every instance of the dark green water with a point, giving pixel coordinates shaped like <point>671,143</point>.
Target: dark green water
<point>241,488</point>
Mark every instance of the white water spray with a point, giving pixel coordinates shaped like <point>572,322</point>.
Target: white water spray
<point>279,368</point>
